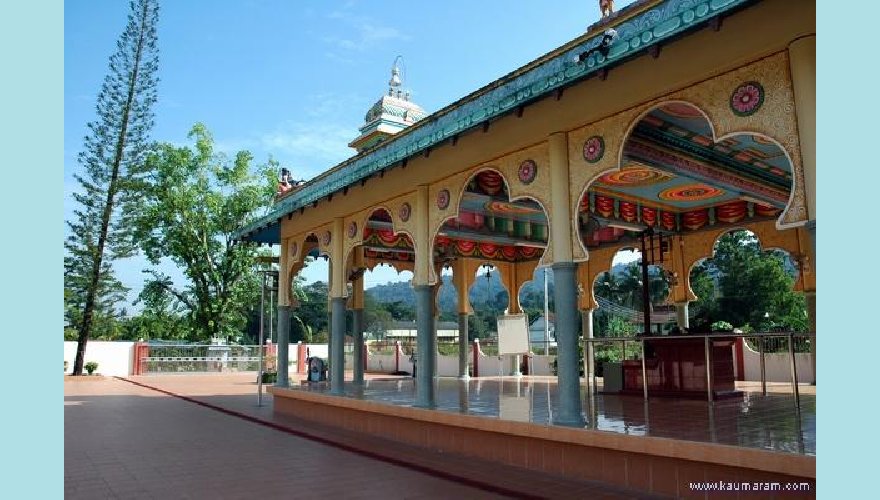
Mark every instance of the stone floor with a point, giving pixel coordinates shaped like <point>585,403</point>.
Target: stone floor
<point>771,422</point>
<point>204,436</point>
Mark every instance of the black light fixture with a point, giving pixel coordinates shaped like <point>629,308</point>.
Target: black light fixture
<point>604,46</point>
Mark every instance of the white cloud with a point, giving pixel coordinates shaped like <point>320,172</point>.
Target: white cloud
<point>364,32</point>
<point>317,147</point>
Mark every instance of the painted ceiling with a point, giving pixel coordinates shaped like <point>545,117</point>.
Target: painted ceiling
<point>675,178</point>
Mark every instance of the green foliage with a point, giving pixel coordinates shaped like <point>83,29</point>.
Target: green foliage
<point>91,366</point>
<point>312,313</point>
<point>270,377</point>
<point>721,326</point>
<point>742,285</point>
<point>195,200</point>
<point>110,182</point>
<point>447,349</point>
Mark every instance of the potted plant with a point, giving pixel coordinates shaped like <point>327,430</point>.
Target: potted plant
<point>91,366</point>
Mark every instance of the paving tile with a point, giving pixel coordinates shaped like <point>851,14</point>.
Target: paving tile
<point>127,441</point>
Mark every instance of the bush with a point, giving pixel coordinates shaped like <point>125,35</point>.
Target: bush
<point>721,326</point>
<point>270,377</point>
<point>91,366</point>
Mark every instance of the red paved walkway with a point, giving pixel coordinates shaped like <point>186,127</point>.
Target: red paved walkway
<point>127,441</point>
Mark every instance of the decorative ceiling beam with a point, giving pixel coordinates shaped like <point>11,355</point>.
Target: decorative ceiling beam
<point>668,160</point>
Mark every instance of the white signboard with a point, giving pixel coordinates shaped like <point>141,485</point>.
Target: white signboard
<point>513,334</point>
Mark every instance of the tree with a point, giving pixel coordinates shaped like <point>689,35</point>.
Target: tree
<point>113,159</point>
<point>162,316</point>
<point>195,200</point>
<point>746,287</point>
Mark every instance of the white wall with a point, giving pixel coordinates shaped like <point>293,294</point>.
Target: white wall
<point>382,363</point>
<point>447,366</point>
<point>113,358</point>
<point>541,365</point>
<point>777,366</point>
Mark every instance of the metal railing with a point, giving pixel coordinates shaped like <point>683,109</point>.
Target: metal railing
<point>202,358</point>
<point>613,349</point>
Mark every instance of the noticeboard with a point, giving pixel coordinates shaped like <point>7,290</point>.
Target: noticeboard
<point>513,334</point>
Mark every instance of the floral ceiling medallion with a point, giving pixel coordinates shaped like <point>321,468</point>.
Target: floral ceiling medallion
<point>594,149</point>
<point>443,199</point>
<point>747,99</point>
<point>527,171</point>
<point>404,212</point>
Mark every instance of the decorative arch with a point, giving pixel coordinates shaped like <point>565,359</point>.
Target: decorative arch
<point>770,115</point>
<point>446,200</point>
<point>768,237</point>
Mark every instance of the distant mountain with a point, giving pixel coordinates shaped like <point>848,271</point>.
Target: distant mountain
<point>479,292</point>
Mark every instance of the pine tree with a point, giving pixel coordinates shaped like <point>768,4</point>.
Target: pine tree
<point>113,167</point>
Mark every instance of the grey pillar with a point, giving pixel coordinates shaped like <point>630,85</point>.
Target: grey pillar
<point>811,314</point>
<point>436,344</point>
<point>681,315</point>
<point>811,230</point>
<point>587,322</point>
<point>568,374</point>
<point>357,323</point>
<point>337,345</point>
<point>463,345</point>
<point>811,298</point>
<point>426,346</point>
<point>283,345</point>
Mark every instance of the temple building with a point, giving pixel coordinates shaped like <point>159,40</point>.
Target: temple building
<point>667,123</point>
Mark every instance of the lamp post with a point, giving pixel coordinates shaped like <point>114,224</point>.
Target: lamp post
<point>272,286</point>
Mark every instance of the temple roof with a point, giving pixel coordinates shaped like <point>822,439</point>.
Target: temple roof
<point>639,26</point>
<point>391,114</point>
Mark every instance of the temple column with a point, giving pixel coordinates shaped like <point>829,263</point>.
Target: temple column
<point>802,59</point>
<point>283,316</point>
<point>426,337</point>
<point>681,314</point>
<point>565,286</point>
<point>337,310</point>
<point>462,284</point>
<point>436,297</point>
<point>811,315</point>
<point>587,322</point>
<point>357,321</point>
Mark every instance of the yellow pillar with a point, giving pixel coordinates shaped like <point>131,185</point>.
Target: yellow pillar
<point>564,286</point>
<point>802,58</point>
<point>357,317</point>
<point>338,291</point>
<point>426,338</point>
<point>357,291</point>
<point>424,259</point>
<point>283,314</point>
<point>560,211</point>
<point>284,274</point>
<point>461,278</point>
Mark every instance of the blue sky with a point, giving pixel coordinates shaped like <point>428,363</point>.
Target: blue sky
<point>294,79</point>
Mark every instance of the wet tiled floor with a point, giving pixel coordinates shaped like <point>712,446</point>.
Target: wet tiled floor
<point>771,422</point>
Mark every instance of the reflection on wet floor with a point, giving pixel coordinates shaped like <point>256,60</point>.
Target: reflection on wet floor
<point>770,422</point>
